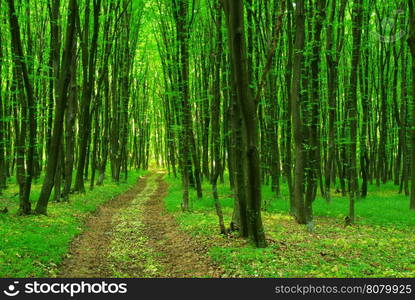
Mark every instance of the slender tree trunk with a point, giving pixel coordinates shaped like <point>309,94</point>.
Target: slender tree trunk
<point>88,63</point>
<point>71,112</point>
<point>288,78</point>
<point>300,212</point>
<point>334,48</point>
<point>352,105</point>
<point>215,119</point>
<point>18,57</point>
<point>314,156</point>
<point>3,169</point>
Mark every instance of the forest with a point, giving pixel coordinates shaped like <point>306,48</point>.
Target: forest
<point>207,138</point>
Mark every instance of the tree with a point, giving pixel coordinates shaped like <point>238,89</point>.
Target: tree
<point>27,105</point>
<point>3,169</point>
<point>235,14</point>
<point>61,103</point>
<point>357,16</point>
<point>300,210</point>
<point>88,70</point>
<point>334,48</point>
<point>215,110</point>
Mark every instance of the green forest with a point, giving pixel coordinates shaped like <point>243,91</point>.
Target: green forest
<point>207,138</point>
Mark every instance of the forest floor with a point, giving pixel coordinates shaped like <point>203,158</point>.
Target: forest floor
<point>34,246</point>
<point>137,229</point>
<point>132,235</point>
<point>380,244</point>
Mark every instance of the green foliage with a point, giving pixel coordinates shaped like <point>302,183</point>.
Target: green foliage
<point>33,246</point>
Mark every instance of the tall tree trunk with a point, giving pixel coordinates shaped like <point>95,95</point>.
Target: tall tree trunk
<point>364,87</point>
<point>357,15</point>
<point>182,25</point>
<point>235,14</point>
<point>3,169</point>
<point>71,113</point>
<point>18,57</point>
<point>288,116</point>
<point>63,84</point>
<point>334,48</point>
<point>215,119</point>
<point>88,64</point>
<point>314,156</point>
<point>300,212</point>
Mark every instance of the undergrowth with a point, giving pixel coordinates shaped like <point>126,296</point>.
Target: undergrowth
<point>33,246</point>
<point>381,244</point>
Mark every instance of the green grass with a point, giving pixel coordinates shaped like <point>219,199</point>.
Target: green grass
<point>129,254</point>
<point>381,244</point>
<point>33,246</point>
<point>383,206</point>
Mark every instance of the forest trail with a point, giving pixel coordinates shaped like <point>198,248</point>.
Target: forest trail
<point>133,235</point>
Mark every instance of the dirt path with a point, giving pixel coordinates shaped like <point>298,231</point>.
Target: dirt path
<point>182,255</point>
<point>132,235</point>
<point>88,253</point>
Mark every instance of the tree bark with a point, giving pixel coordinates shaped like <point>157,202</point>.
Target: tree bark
<point>88,64</point>
<point>18,57</point>
<point>235,14</point>
<point>63,84</point>
<point>357,15</point>
<point>215,110</point>
<point>3,169</point>
<point>300,212</point>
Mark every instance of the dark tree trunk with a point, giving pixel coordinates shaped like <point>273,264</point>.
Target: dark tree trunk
<point>71,112</point>
<point>357,15</point>
<point>332,59</point>
<point>245,100</point>
<point>18,57</point>
<point>88,66</point>
<point>314,154</point>
<point>182,27</point>
<point>215,111</point>
<point>63,84</point>
<point>288,116</point>
<point>300,211</point>
<point>3,168</point>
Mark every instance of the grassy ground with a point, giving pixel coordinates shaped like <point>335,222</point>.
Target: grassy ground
<point>381,244</point>
<point>33,246</point>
